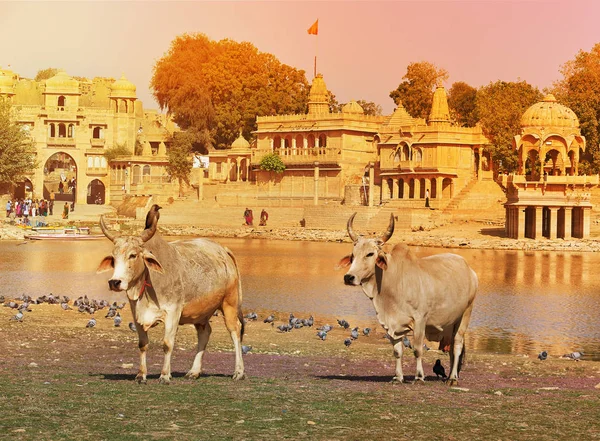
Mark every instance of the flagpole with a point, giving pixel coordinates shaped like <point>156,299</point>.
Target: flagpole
<point>316,53</point>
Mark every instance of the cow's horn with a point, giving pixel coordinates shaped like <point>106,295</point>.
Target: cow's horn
<point>149,232</point>
<point>351,232</point>
<point>104,229</point>
<point>390,229</point>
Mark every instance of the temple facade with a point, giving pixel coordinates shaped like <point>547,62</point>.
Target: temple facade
<point>72,123</point>
<point>546,197</point>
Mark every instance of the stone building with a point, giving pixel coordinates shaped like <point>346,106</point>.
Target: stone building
<point>546,197</point>
<point>72,123</point>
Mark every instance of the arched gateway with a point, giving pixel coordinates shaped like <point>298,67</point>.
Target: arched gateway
<point>60,171</point>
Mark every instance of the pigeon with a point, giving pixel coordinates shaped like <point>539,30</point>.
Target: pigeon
<point>543,355</point>
<point>82,308</point>
<point>310,321</point>
<point>132,326</point>
<point>298,325</point>
<point>354,333</point>
<point>121,306</point>
<point>406,342</point>
<point>347,342</point>
<point>111,313</point>
<point>118,320</point>
<point>18,317</point>
<point>366,331</point>
<point>24,307</point>
<point>439,370</point>
<point>322,335</point>
<point>246,349</point>
<point>152,213</point>
<point>269,319</point>
<point>65,306</point>
<point>2,299</point>
<point>91,323</point>
<point>251,316</point>
<point>13,305</point>
<point>574,356</point>
<point>325,328</point>
<point>285,328</point>
<point>343,323</point>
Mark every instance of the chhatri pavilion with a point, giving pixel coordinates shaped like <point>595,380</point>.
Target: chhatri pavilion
<point>546,197</point>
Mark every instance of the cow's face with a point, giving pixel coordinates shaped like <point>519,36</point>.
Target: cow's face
<point>366,255</point>
<point>129,259</point>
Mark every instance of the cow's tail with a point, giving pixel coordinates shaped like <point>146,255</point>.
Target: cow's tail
<point>239,279</point>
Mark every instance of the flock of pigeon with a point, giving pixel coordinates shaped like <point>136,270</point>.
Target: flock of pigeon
<point>573,355</point>
<point>81,304</point>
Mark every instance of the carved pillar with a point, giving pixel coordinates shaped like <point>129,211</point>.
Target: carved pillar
<point>585,212</point>
<point>538,226</point>
<point>417,193</point>
<point>553,222</point>
<point>371,181</point>
<point>568,222</point>
<point>520,212</point>
<point>316,195</point>
<point>228,169</point>
<point>393,191</point>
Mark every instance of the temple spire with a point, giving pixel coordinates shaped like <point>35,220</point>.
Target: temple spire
<point>439,108</point>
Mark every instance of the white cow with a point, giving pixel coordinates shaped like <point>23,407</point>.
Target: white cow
<point>431,297</point>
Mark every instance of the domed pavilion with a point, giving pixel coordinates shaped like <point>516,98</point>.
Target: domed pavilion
<point>546,197</point>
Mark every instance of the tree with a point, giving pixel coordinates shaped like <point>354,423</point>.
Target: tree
<point>461,101</point>
<point>17,152</point>
<point>500,106</point>
<point>180,158</point>
<point>370,108</point>
<point>416,91</point>
<point>118,150</point>
<point>580,91</point>
<point>217,87</point>
<point>272,162</point>
<point>44,74</point>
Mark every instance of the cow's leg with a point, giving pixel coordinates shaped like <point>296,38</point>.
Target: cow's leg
<point>398,348</point>
<point>234,326</point>
<point>171,323</point>
<point>418,339</point>
<point>143,345</point>
<point>457,346</point>
<point>203,336</point>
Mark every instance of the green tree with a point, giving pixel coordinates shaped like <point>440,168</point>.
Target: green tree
<point>217,87</point>
<point>44,74</point>
<point>334,105</point>
<point>416,91</point>
<point>17,152</point>
<point>370,108</point>
<point>462,104</point>
<point>118,150</point>
<point>180,158</point>
<point>580,91</point>
<point>500,106</point>
<point>272,162</point>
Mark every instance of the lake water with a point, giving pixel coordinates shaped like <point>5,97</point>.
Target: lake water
<point>527,301</point>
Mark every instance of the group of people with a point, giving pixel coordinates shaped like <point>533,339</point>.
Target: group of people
<point>23,210</point>
<point>249,217</point>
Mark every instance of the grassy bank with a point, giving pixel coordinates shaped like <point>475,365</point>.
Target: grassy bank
<point>60,380</point>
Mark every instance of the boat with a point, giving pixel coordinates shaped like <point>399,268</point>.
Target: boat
<point>66,233</point>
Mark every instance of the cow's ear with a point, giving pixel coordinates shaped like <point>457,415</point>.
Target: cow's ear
<point>381,261</point>
<point>345,262</point>
<point>107,264</point>
<point>152,262</point>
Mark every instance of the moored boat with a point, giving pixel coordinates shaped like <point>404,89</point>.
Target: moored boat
<point>74,233</point>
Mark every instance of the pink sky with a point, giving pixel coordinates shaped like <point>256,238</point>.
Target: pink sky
<point>363,47</point>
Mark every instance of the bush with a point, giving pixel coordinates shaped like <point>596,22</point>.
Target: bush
<point>272,162</point>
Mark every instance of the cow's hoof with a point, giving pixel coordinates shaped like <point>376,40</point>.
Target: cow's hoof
<point>192,375</point>
<point>452,382</point>
<point>397,380</point>
<point>164,379</point>
<point>239,376</point>
<point>419,380</point>
<point>141,379</point>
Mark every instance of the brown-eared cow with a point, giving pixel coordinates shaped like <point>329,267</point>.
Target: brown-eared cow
<point>432,297</point>
<point>176,283</point>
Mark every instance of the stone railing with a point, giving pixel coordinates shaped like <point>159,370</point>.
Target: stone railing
<point>564,180</point>
<point>300,155</point>
<point>61,142</point>
<point>97,142</point>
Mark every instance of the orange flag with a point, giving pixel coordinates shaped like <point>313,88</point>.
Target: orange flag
<point>314,29</point>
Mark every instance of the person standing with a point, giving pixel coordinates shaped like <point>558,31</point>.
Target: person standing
<point>427,198</point>
<point>51,203</point>
<point>264,217</point>
<point>66,211</point>
<point>8,208</point>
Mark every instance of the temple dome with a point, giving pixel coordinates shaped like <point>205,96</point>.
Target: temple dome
<point>318,98</point>
<point>549,113</point>
<point>62,83</point>
<point>353,107</point>
<point>123,88</point>
<point>240,143</point>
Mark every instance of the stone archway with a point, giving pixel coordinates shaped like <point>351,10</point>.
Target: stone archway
<point>60,168</point>
<point>24,189</point>
<point>96,192</point>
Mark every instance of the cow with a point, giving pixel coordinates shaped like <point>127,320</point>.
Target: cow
<point>432,297</point>
<point>176,283</point>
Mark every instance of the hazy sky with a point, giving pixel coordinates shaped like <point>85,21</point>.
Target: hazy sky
<point>363,47</point>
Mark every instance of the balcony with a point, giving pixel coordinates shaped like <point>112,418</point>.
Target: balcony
<point>97,142</point>
<point>308,155</point>
<point>61,142</point>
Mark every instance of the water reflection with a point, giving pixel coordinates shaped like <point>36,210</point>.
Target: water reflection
<point>527,301</point>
